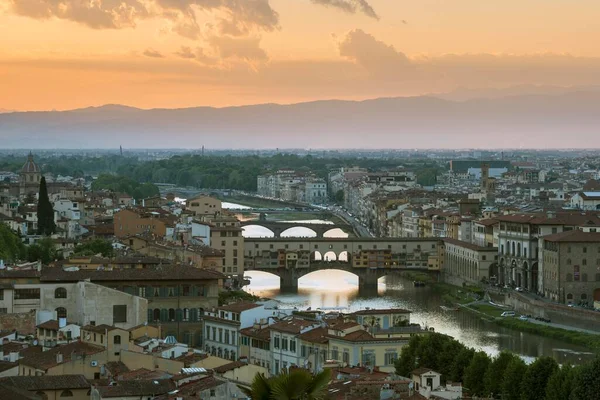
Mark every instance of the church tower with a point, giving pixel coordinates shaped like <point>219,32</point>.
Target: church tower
<point>31,174</point>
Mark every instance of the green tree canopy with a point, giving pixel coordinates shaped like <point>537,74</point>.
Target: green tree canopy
<point>93,247</point>
<point>495,370</point>
<point>11,247</point>
<point>513,376</point>
<point>473,377</point>
<point>586,384</point>
<point>126,185</point>
<point>45,211</point>
<point>44,250</point>
<point>536,378</point>
<point>560,384</point>
<point>297,384</point>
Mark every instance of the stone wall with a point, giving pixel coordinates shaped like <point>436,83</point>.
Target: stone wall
<point>23,323</point>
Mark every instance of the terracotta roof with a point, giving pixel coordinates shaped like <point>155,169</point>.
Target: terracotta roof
<point>15,393</point>
<point>239,307</point>
<point>136,388</point>
<point>6,365</point>
<point>487,221</point>
<point>116,367</point>
<point>317,335</point>
<point>47,382</point>
<point>262,334</point>
<point>18,273</point>
<point>191,390</point>
<point>51,324</point>
<point>358,336</point>
<point>294,325</point>
<point>574,236</point>
<point>229,367</point>
<point>151,273</point>
<point>47,359</point>
<point>191,358</point>
<point>381,311</point>
<point>344,325</point>
<point>30,166</point>
<point>103,328</point>
<point>469,246</point>
<point>422,370</point>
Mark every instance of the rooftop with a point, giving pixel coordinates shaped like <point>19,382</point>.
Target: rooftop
<point>574,236</point>
<point>469,246</point>
<point>47,359</point>
<point>382,311</point>
<point>136,388</point>
<point>239,307</point>
<point>47,382</point>
<point>294,325</point>
<point>151,273</point>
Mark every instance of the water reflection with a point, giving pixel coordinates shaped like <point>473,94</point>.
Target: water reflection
<point>339,289</point>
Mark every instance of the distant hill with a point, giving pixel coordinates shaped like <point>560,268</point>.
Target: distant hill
<point>538,120</point>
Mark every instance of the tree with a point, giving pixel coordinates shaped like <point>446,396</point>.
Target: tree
<point>496,370</point>
<point>513,376</point>
<point>45,211</point>
<point>44,251</point>
<point>93,247</point>
<point>475,372</point>
<point>560,384</point>
<point>536,378</point>
<point>339,196</point>
<point>11,247</point>
<point>297,384</point>
<point>586,384</point>
<point>460,364</point>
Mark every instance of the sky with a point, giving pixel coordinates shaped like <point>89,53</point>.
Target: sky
<point>66,54</point>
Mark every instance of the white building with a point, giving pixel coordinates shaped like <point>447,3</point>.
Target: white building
<point>586,201</point>
<point>285,342</point>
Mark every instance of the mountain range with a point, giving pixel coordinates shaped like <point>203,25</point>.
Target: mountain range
<point>549,118</point>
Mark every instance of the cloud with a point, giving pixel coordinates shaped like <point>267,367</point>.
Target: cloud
<point>197,54</point>
<point>152,53</point>
<point>246,49</point>
<point>379,59</point>
<point>236,17</point>
<point>350,6</point>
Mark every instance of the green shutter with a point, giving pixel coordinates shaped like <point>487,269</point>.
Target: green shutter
<point>179,315</point>
<point>194,315</point>
<point>164,315</point>
<point>164,292</point>
<point>149,291</point>
<point>150,315</point>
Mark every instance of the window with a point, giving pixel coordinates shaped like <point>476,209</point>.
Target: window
<point>222,243</point>
<point>61,312</point>
<point>568,261</point>
<point>284,343</point>
<point>568,247</point>
<point>334,353</point>
<point>27,294</point>
<point>117,339</point>
<point>584,262</point>
<point>66,393</point>
<point>576,273</point>
<point>303,351</point>
<point>390,358</point>
<point>276,342</point>
<point>119,313</point>
<point>60,293</point>
<point>293,346</point>
<point>346,356</point>
<point>584,277</point>
<point>569,296</point>
<point>186,290</point>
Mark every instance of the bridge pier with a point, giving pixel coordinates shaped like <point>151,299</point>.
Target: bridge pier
<point>288,281</point>
<point>367,280</point>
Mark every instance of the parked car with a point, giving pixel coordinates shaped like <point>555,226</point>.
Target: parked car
<point>508,314</point>
<point>523,318</point>
<point>519,289</point>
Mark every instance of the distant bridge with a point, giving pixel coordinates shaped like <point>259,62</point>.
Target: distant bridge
<point>280,227</point>
<point>367,258</point>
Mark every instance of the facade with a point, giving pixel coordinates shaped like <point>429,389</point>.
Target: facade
<point>571,265</point>
<point>129,222</point>
<point>469,263</point>
<point>586,201</point>
<point>204,206</point>
<point>255,345</point>
<point>226,236</point>
<point>285,342</point>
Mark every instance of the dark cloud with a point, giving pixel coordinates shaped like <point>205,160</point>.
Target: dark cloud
<point>350,6</point>
<point>152,53</point>
<point>379,59</point>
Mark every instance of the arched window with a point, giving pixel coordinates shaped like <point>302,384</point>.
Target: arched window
<point>568,261</point>
<point>518,249</point>
<point>513,248</point>
<point>569,296</point>
<point>156,314</point>
<point>583,296</point>
<point>66,393</point>
<point>171,314</point>
<point>117,339</point>
<point>584,277</point>
<point>61,312</point>
<point>60,293</point>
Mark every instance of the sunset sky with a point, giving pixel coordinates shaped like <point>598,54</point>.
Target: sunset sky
<point>64,54</point>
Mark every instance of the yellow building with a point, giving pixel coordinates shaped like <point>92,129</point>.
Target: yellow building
<point>204,206</point>
<point>72,387</point>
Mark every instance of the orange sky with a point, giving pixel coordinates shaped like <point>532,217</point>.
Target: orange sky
<point>63,54</point>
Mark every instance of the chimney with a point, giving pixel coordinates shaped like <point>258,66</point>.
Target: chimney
<point>59,358</point>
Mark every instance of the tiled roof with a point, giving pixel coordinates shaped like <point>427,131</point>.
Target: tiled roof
<point>421,371</point>
<point>317,335</point>
<point>47,382</point>
<point>229,367</point>
<point>344,325</point>
<point>191,358</point>
<point>294,325</point>
<point>116,367</point>
<point>193,388</point>
<point>17,273</point>
<point>136,388</point>
<point>6,365</point>
<point>574,236</point>
<point>15,393</point>
<point>103,328</point>
<point>165,272</point>
<point>47,359</point>
<point>51,324</point>
<point>262,334</point>
<point>239,307</point>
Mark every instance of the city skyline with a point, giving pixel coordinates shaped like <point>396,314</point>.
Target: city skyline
<point>172,54</point>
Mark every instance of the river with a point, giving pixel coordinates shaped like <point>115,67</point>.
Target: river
<point>339,289</point>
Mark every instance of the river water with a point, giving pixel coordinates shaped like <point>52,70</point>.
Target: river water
<point>334,289</point>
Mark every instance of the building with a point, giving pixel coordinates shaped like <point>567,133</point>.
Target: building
<point>204,206</point>
<point>255,345</point>
<point>222,327</point>
<point>135,221</point>
<point>226,236</point>
<point>285,346</point>
<point>469,263</point>
<point>53,332</point>
<point>571,266</point>
<point>75,387</point>
<point>586,201</point>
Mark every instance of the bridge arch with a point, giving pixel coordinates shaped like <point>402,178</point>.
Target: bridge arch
<point>297,231</point>
<point>344,256</point>
<point>335,232</point>
<point>316,256</point>
<point>257,230</point>
<point>330,256</point>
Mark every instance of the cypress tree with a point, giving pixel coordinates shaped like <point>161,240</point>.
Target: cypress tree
<point>45,211</point>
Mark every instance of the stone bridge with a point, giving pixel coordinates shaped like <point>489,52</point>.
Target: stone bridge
<point>367,258</point>
<point>280,227</point>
